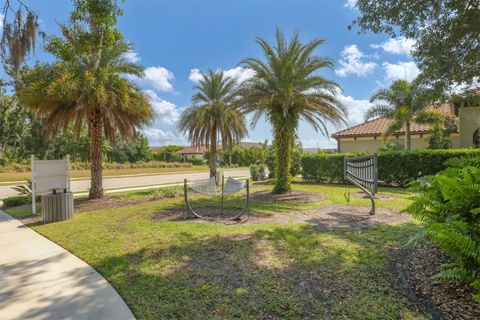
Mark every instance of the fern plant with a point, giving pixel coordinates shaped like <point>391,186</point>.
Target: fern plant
<point>449,205</point>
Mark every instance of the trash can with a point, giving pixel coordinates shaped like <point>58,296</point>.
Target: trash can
<point>57,206</point>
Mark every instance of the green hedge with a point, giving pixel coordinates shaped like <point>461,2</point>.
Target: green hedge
<point>17,167</point>
<point>16,201</point>
<point>394,167</point>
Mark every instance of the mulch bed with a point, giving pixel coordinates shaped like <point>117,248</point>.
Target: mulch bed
<point>177,214</point>
<point>441,298</point>
<point>330,216</point>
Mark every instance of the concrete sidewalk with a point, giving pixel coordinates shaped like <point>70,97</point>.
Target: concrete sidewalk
<point>41,280</point>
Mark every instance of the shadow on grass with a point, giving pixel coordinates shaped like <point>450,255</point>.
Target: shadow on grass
<point>276,272</point>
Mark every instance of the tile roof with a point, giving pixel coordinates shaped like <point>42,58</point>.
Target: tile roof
<point>377,127</point>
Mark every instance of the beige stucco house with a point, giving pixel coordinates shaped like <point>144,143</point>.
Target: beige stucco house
<point>368,136</point>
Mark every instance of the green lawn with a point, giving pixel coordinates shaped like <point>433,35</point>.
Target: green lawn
<point>21,176</point>
<point>192,269</point>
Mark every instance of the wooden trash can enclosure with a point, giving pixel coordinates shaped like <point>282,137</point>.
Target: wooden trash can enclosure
<point>57,206</point>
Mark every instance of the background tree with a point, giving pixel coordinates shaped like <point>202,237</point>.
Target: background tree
<point>213,116</point>
<point>86,85</point>
<point>13,127</point>
<point>286,89</point>
<point>447,34</point>
<point>403,103</point>
<point>168,153</point>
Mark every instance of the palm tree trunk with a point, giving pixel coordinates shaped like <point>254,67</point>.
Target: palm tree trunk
<point>96,171</point>
<point>408,139</point>
<point>213,153</point>
<point>283,136</point>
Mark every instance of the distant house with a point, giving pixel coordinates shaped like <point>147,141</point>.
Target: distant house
<point>192,152</point>
<point>368,136</point>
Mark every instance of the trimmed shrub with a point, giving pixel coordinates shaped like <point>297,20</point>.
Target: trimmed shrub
<point>16,201</point>
<point>258,172</point>
<point>166,192</point>
<point>394,167</point>
<point>16,167</point>
<point>196,161</point>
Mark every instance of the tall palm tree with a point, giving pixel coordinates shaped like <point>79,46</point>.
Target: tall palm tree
<point>87,85</point>
<point>213,116</point>
<point>286,88</point>
<point>403,103</point>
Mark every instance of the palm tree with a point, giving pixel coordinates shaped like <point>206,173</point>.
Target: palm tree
<point>286,88</point>
<point>87,85</point>
<point>403,103</point>
<point>212,115</point>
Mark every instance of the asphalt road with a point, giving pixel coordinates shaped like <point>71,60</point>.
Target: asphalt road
<point>135,181</point>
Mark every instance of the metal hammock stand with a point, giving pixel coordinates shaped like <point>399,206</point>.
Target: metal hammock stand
<point>363,173</point>
<point>208,187</point>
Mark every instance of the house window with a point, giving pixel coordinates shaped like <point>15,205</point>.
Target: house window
<point>476,138</point>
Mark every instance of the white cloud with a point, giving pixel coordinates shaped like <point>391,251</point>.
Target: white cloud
<point>239,74</point>
<point>159,78</point>
<point>400,45</point>
<point>195,75</point>
<point>355,108</point>
<point>350,4</point>
<point>159,137</point>
<point>132,56</point>
<point>1,21</point>
<point>401,70</point>
<point>351,63</point>
<point>165,111</point>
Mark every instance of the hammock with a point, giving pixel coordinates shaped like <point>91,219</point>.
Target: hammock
<point>232,186</point>
<point>208,187</point>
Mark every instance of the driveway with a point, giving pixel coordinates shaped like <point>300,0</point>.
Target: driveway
<point>41,280</point>
<point>135,181</point>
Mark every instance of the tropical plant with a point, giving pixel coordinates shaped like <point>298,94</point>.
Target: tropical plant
<point>25,189</point>
<point>213,116</point>
<point>449,205</point>
<point>286,89</point>
<point>403,103</point>
<point>87,83</point>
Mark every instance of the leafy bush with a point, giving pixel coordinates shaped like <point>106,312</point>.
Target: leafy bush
<point>258,172</point>
<point>17,167</point>
<point>167,192</point>
<point>324,167</point>
<point>449,204</point>
<point>196,161</point>
<point>16,201</point>
<point>394,167</point>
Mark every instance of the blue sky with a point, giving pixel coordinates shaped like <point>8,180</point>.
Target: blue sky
<point>173,38</point>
